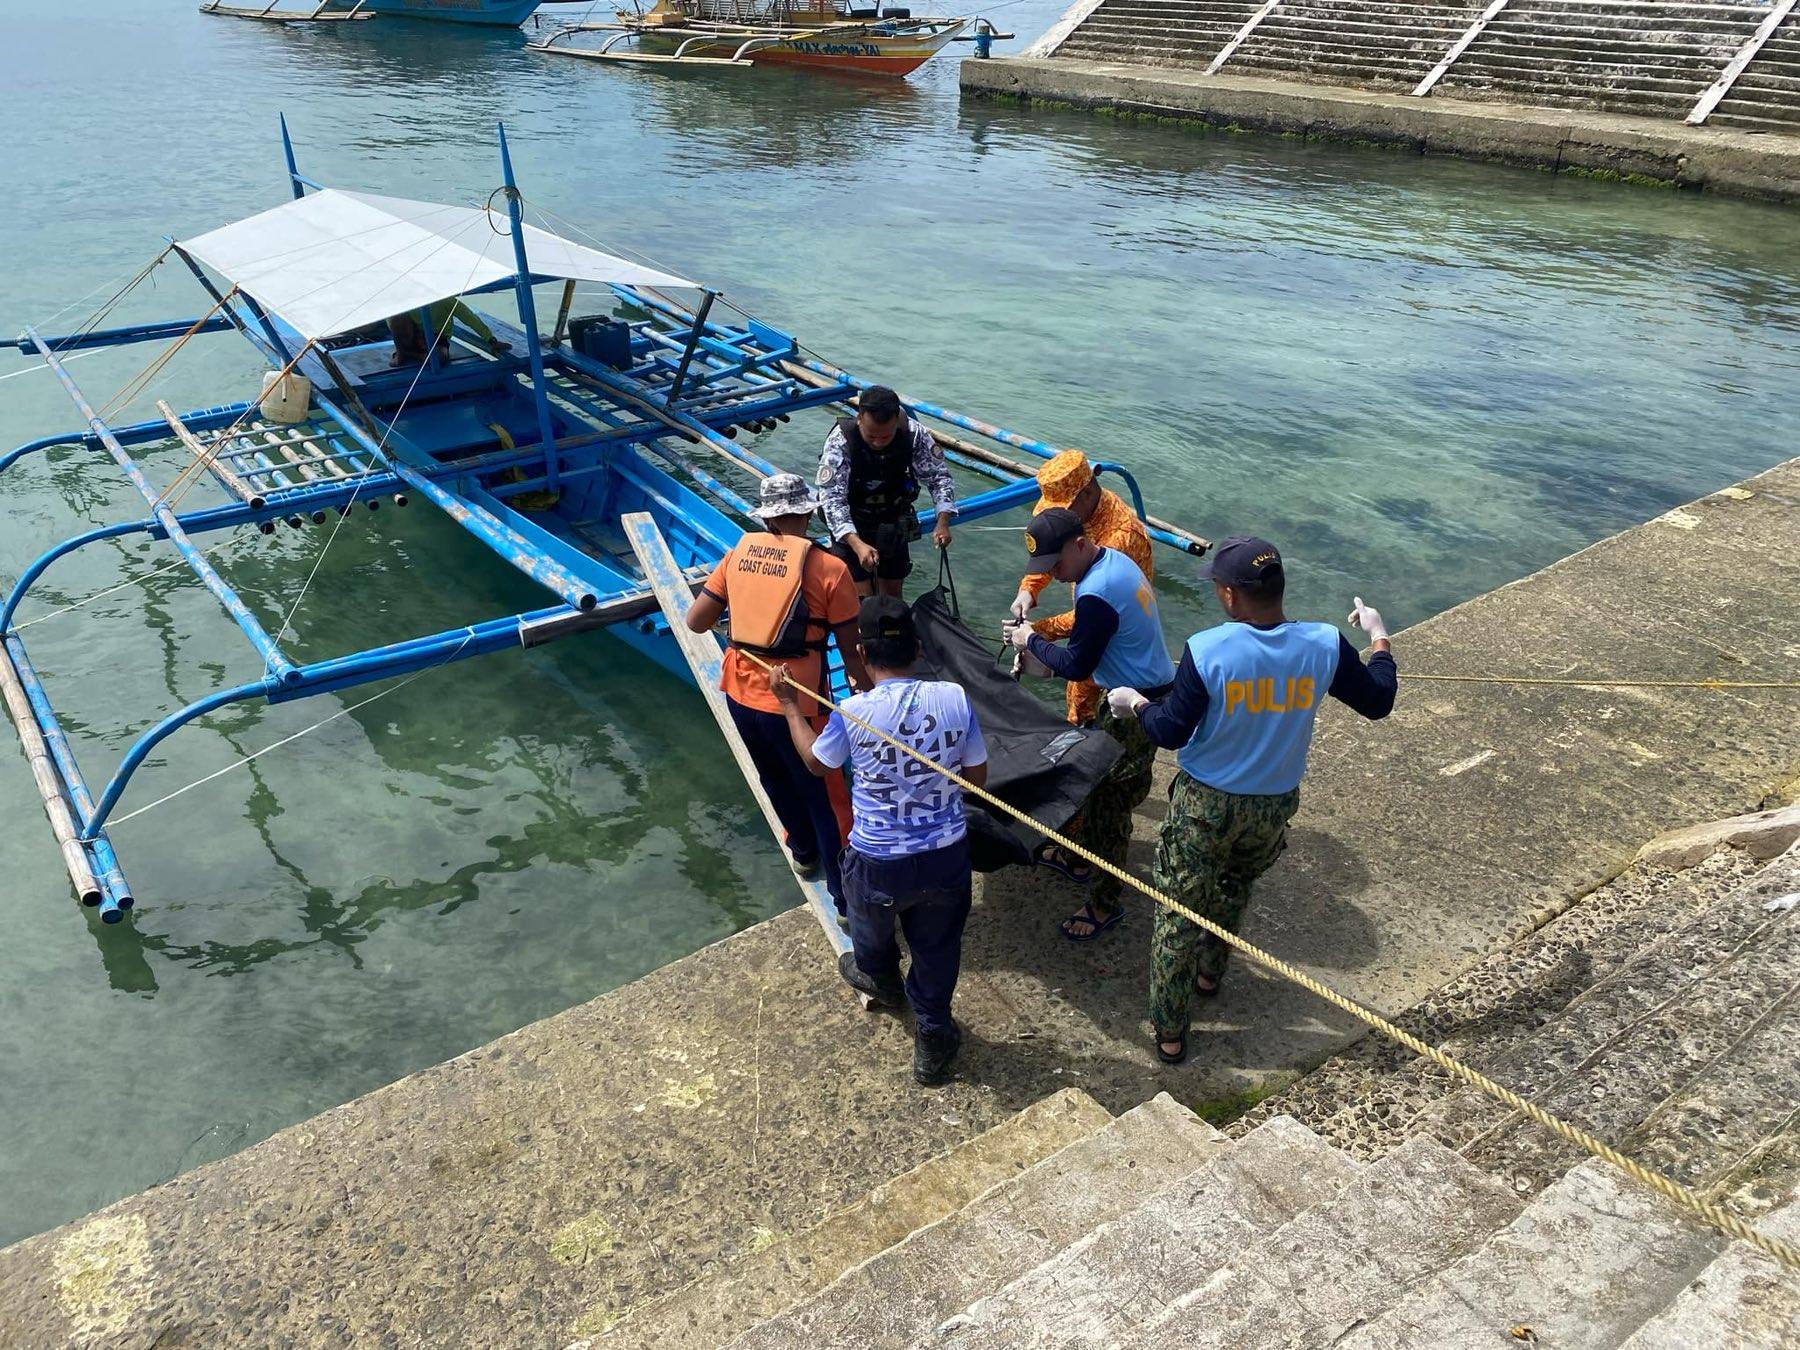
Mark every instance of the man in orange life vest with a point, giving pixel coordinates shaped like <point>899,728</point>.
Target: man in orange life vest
<point>1240,717</point>
<point>785,597</point>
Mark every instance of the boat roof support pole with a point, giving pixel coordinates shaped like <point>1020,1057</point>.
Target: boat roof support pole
<point>262,319</point>
<point>295,182</point>
<point>693,343</point>
<point>271,654</point>
<point>534,345</point>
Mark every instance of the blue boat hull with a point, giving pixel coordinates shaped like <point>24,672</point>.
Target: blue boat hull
<point>493,13</point>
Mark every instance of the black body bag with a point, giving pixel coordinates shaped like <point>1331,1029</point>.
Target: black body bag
<point>1037,762</point>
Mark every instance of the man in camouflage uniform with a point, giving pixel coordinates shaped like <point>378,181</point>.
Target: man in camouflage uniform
<point>1116,639</point>
<point>1240,714</point>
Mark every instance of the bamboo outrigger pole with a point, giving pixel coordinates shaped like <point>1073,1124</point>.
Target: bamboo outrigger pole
<point>49,784</point>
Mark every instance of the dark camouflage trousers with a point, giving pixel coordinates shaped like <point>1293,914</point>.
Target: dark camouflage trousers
<point>1106,819</point>
<point>1212,847</point>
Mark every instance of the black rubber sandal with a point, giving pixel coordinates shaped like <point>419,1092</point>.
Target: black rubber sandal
<point>1180,1040</point>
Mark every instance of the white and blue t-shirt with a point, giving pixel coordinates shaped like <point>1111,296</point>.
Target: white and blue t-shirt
<point>898,805</point>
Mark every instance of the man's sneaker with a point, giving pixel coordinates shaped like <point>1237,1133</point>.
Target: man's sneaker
<point>934,1054</point>
<point>887,990</point>
<point>806,870</point>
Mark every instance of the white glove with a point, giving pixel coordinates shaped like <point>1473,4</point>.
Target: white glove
<point>1368,618</point>
<point>1124,701</point>
<point>1022,604</point>
<point>1018,632</point>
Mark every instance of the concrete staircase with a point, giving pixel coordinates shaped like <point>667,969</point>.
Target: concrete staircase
<point>1458,1226</point>
<point>1642,57</point>
<point>1646,58</point>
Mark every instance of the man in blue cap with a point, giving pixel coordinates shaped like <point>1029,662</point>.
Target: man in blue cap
<point>1116,639</point>
<point>1240,717</point>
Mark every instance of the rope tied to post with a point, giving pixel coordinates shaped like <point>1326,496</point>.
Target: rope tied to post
<point>1708,1211</point>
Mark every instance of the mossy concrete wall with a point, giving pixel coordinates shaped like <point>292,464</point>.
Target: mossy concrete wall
<point>1636,149</point>
<point>532,1190</point>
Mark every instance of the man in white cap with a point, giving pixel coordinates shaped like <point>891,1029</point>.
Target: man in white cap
<point>785,597</point>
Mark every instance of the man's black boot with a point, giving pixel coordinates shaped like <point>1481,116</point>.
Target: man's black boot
<point>933,1055</point>
<point>887,990</point>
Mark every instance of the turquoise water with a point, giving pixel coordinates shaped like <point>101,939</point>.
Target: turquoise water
<point>1424,378</point>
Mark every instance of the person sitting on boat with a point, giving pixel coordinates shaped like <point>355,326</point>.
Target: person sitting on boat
<point>1067,480</point>
<point>410,346</point>
<point>908,860</point>
<point>870,474</point>
<point>1116,639</point>
<point>785,597</point>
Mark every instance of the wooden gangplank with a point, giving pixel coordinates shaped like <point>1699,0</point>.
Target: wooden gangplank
<point>270,14</point>
<point>706,660</point>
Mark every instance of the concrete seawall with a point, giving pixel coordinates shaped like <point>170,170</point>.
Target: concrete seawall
<point>1742,163</point>
<point>532,1190</point>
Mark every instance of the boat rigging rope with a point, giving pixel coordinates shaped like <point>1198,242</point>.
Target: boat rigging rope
<point>1716,1215</point>
<point>289,740</point>
<point>141,381</point>
<point>129,582</point>
<point>45,365</point>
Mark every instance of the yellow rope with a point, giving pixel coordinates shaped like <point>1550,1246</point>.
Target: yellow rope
<point>1719,1217</point>
<point>1603,683</point>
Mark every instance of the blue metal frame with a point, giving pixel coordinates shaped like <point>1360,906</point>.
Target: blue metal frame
<point>610,440</point>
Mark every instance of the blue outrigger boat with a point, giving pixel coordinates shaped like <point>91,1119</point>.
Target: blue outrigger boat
<point>536,445</point>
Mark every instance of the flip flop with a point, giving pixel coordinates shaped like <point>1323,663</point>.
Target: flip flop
<point>1086,915</point>
<point>1204,991</point>
<point>1180,1040</point>
<point>1049,855</point>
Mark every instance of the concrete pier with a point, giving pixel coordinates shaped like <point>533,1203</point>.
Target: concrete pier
<point>533,1190</point>
<point>1648,149</point>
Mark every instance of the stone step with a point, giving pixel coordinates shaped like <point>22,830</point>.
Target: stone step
<point>1716,1020</point>
<point>1364,1100</point>
<point>1124,1272</point>
<point>1666,972</point>
<point>1586,1264</point>
<point>723,1303</point>
<point>1622,82</point>
<point>1728,1109</point>
<point>1750,122</point>
<point>1367,1099</point>
<point>1742,1301</point>
<point>1403,1219</point>
<point>902,1294</point>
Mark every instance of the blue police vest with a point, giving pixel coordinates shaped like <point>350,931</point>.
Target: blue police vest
<point>1136,657</point>
<point>1263,688</point>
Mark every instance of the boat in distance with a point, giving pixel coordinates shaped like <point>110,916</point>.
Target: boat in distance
<point>489,13</point>
<point>818,34</point>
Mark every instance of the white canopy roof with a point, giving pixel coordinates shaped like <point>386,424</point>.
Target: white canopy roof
<point>333,260</point>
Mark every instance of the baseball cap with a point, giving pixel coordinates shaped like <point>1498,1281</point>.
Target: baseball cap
<point>886,616</point>
<point>1240,560</point>
<point>1045,536</point>
<point>1062,478</point>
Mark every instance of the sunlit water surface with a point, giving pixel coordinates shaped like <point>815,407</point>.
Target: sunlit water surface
<point>1423,378</point>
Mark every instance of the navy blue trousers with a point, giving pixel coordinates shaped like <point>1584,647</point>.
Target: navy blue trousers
<point>799,797</point>
<point>928,894</point>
